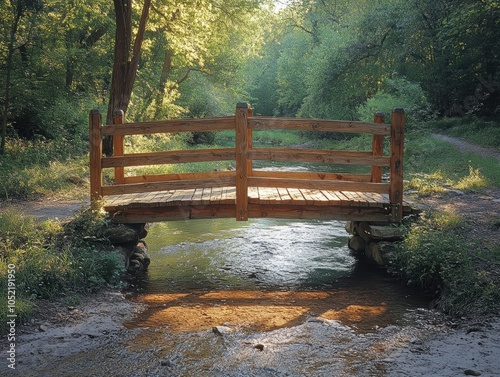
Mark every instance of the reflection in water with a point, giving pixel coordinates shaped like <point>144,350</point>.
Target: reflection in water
<point>260,254</point>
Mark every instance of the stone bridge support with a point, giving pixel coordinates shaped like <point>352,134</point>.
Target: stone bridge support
<point>129,240</point>
<point>374,241</point>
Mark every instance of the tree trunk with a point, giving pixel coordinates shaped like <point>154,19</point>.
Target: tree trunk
<point>126,61</point>
<point>10,53</point>
<point>165,74</point>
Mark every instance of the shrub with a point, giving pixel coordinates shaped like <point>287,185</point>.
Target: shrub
<point>437,257</point>
<point>397,92</point>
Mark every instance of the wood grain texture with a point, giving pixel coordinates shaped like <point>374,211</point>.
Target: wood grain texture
<point>319,125</point>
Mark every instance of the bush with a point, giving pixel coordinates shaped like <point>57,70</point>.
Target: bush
<point>437,257</point>
<point>397,92</point>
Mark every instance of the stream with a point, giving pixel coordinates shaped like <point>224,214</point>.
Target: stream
<point>265,297</point>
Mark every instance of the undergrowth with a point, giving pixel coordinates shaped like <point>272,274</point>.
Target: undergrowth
<point>35,169</point>
<point>438,256</point>
<point>433,165</point>
<point>52,260</point>
<point>481,131</point>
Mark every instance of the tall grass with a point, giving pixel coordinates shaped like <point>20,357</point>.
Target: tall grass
<point>438,256</point>
<point>481,131</point>
<point>33,169</point>
<point>52,260</point>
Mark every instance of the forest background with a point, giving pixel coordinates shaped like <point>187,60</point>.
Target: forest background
<point>310,58</point>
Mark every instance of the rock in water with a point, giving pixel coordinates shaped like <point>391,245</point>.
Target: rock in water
<point>221,330</point>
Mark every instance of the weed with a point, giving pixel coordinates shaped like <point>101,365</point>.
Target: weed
<point>474,182</point>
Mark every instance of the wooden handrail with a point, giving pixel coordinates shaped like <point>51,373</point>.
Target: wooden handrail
<point>265,123</point>
<point>95,140</point>
<point>170,126</point>
<point>243,177</point>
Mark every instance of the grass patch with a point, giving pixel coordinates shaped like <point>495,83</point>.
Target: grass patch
<point>52,260</point>
<point>431,164</point>
<point>437,256</point>
<point>34,169</point>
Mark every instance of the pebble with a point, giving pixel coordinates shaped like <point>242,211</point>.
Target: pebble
<point>166,363</point>
<point>470,372</point>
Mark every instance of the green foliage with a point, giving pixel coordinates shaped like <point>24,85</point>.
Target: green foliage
<point>397,92</point>
<point>481,131</point>
<point>437,256</point>
<point>50,92</point>
<point>262,79</point>
<point>53,261</point>
<point>33,169</point>
<point>291,77</point>
<point>444,166</point>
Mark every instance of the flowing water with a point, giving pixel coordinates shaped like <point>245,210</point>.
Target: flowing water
<point>265,297</point>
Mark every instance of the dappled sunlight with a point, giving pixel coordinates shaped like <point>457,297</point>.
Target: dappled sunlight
<point>266,295</point>
<point>199,318</point>
<point>355,313</point>
<point>162,298</point>
<point>253,310</point>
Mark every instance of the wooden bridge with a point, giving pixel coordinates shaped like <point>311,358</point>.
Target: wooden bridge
<point>246,192</point>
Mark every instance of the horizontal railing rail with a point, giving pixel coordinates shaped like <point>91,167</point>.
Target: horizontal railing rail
<point>244,153</point>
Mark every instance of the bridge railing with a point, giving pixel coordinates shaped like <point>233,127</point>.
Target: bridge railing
<point>244,153</point>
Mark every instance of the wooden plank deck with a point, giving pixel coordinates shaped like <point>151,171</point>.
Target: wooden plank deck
<point>262,202</point>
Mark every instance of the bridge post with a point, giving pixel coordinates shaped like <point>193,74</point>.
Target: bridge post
<point>241,161</point>
<point>95,128</point>
<point>118,146</point>
<point>250,143</point>
<point>396,169</point>
<point>377,149</point>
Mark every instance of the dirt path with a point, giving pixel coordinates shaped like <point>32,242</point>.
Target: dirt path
<point>464,146</point>
<point>61,209</point>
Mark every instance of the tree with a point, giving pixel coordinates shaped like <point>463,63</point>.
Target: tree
<point>19,9</point>
<point>126,60</point>
<point>183,36</point>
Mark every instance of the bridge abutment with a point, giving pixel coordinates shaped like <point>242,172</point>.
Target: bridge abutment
<point>129,240</point>
<point>372,241</point>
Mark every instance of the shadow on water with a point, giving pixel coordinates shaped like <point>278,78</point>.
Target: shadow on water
<point>263,274</point>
